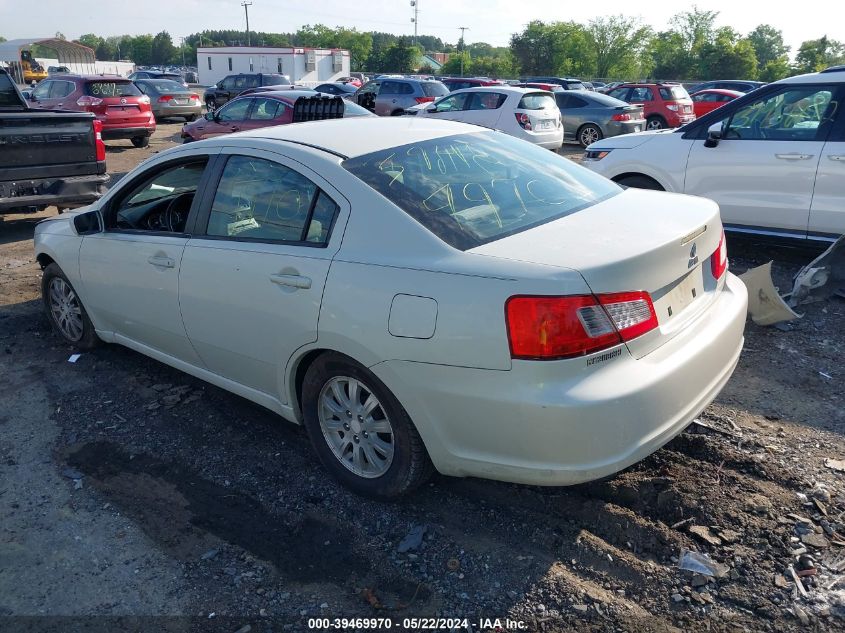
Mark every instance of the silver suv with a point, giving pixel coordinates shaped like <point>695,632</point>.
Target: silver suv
<point>390,96</point>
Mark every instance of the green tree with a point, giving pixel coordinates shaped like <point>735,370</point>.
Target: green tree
<point>496,67</point>
<point>453,65</point>
<point>816,55</point>
<point>358,44</point>
<point>695,27</point>
<point>617,43</point>
<point>90,40</point>
<point>559,48</point>
<point>401,57</point>
<point>669,59</point>
<point>768,44</point>
<point>141,49</point>
<point>727,56</point>
<point>162,49</point>
<point>774,70</point>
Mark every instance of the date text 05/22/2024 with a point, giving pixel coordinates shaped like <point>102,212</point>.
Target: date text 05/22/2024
<point>458,625</point>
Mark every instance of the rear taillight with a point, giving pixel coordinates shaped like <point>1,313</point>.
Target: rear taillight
<point>523,120</point>
<point>144,99</point>
<point>98,140</point>
<point>165,98</point>
<point>719,258</point>
<point>621,117</point>
<point>565,327</point>
<point>672,106</point>
<point>86,101</point>
<point>195,97</point>
<point>424,99</point>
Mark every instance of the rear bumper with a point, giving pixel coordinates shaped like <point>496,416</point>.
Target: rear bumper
<point>126,132</point>
<point>528,425</point>
<point>178,110</point>
<point>615,128</point>
<point>68,193</point>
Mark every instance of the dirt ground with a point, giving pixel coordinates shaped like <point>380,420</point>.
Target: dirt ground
<point>134,497</point>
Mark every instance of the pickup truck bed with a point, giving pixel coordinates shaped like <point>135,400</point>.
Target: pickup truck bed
<point>47,157</point>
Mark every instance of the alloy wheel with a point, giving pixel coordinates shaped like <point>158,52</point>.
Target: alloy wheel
<point>589,135</point>
<point>356,427</point>
<point>65,308</point>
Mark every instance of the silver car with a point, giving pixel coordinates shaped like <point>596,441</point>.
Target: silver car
<point>390,96</point>
<point>170,99</point>
<point>591,116</point>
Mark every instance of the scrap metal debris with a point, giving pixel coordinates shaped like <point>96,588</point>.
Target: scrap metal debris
<point>765,304</point>
<point>702,564</point>
<point>821,278</point>
<point>835,464</point>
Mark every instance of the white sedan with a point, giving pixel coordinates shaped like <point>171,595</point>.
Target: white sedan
<point>417,293</point>
<point>525,113</point>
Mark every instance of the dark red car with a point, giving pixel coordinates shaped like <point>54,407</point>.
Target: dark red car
<point>123,110</point>
<point>665,104</point>
<point>259,110</point>
<point>705,101</point>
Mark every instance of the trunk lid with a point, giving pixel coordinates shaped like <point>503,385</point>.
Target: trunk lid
<point>638,240</point>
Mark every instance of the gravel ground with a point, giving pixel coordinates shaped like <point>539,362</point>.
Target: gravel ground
<point>131,490</point>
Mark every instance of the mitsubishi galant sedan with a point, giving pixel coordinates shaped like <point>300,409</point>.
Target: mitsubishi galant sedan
<point>418,294</point>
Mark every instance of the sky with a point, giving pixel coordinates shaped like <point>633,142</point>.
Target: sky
<point>491,21</point>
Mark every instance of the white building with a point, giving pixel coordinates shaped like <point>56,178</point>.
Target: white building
<point>305,66</point>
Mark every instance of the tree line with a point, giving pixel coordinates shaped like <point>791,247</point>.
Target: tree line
<point>612,47</point>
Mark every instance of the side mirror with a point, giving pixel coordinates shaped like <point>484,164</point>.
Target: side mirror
<point>714,135</point>
<point>88,223</point>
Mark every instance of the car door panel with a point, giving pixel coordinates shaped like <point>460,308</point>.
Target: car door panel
<point>249,305</point>
<point>827,212</point>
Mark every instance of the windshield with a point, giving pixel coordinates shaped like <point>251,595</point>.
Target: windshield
<point>112,89</point>
<point>471,189</point>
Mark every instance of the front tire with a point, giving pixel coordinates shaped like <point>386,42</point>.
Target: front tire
<point>65,311</point>
<point>361,433</point>
<point>589,134</point>
<point>141,141</point>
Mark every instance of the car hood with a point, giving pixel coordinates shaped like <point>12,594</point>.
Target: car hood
<point>628,141</point>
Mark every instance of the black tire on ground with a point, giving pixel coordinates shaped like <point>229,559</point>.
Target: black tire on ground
<point>410,467</point>
<point>588,132</point>
<point>210,104</point>
<point>88,339</point>
<point>640,182</point>
<point>141,141</point>
<point>655,123</point>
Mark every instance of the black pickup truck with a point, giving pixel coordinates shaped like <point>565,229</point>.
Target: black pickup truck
<point>47,157</point>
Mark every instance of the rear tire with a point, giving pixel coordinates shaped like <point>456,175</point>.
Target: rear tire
<point>336,394</point>
<point>210,104</point>
<point>589,134</point>
<point>640,182</point>
<point>655,123</point>
<point>65,311</point>
<point>141,141</point>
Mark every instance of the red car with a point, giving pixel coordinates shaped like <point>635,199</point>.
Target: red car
<point>705,101</point>
<point>264,109</point>
<point>117,103</point>
<point>665,105</point>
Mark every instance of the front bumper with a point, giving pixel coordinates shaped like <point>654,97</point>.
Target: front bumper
<point>67,193</point>
<point>528,425</point>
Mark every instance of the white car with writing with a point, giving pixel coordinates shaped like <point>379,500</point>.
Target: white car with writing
<point>774,159</point>
<point>419,294</point>
<point>525,113</point>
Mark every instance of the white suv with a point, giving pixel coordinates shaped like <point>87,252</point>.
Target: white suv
<point>773,159</point>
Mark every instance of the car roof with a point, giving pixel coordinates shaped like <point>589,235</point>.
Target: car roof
<point>831,75</point>
<point>286,95</point>
<point>720,91</point>
<point>356,136</point>
<point>95,77</point>
<point>499,88</point>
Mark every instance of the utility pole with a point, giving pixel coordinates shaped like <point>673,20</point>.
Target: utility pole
<point>415,19</point>
<point>462,47</point>
<point>246,6</point>
<point>183,51</point>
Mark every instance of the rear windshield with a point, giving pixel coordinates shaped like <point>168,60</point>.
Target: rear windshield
<point>670,93</point>
<point>166,85</point>
<point>434,89</point>
<point>471,189</point>
<point>575,85</point>
<point>537,101</point>
<point>598,98</point>
<point>111,89</point>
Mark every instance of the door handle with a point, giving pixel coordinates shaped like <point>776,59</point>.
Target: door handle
<point>159,260</point>
<point>294,281</point>
<point>840,157</point>
<point>793,156</point>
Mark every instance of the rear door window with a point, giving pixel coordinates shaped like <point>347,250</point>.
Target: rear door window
<point>266,109</point>
<point>486,100</point>
<point>61,89</point>
<point>641,94</point>
<point>453,103</point>
<point>434,89</point>
<point>390,88</point>
<point>234,111</point>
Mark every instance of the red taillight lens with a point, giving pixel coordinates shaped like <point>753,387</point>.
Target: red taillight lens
<point>719,258</point>
<point>621,117</point>
<point>424,99</point>
<point>195,97</point>
<point>98,140</point>
<point>523,120</point>
<point>86,101</point>
<point>165,98</point>
<point>565,327</point>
